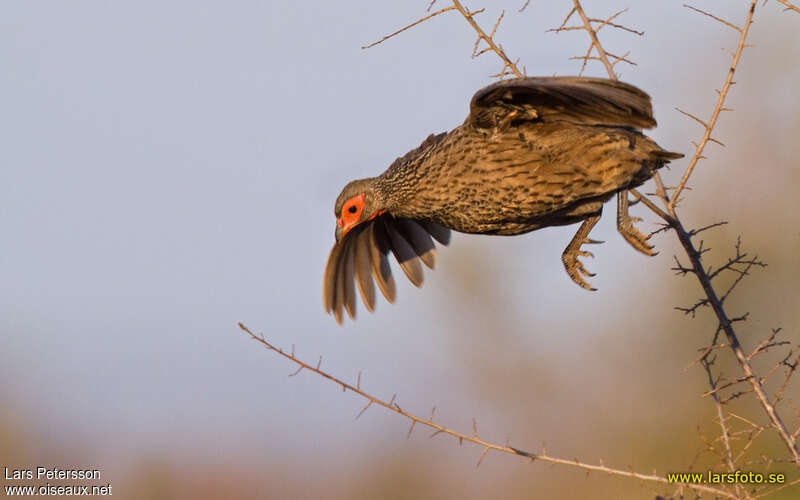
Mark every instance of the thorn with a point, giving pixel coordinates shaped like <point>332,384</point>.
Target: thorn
<point>298,371</point>
<point>485,451</point>
<point>411,429</point>
<point>693,117</point>
<point>363,410</point>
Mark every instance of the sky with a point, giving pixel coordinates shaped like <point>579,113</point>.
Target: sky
<point>169,169</point>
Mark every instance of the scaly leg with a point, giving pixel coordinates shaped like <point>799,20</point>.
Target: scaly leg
<point>570,256</point>
<point>626,228</point>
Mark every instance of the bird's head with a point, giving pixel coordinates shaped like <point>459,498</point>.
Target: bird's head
<point>357,203</point>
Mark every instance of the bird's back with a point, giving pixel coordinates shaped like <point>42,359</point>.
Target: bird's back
<point>516,180</point>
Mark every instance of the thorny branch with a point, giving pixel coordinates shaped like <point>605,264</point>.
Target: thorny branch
<point>595,45</point>
<point>790,6</point>
<point>704,276</point>
<point>393,405</point>
<point>728,458</point>
<point>418,21</point>
<point>509,66</point>
<point>719,107</point>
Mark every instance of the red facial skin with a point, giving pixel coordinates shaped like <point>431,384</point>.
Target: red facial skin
<point>351,215</point>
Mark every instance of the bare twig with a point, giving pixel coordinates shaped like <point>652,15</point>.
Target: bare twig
<point>712,16</point>
<point>421,20</point>
<point>726,326</point>
<point>509,66</point>
<point>721,418</point>
<point>603,55</point>
<point>486,445</point>
<point>489,40</point>
<point>587,24</point>
<point>698,154</point>
<point>790,6</point>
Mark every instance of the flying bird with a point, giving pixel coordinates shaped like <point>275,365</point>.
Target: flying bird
<point>533,153</point>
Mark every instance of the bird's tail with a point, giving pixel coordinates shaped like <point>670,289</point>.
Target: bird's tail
<point>665,156</point>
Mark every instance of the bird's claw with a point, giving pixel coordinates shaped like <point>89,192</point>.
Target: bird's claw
<point>575,267</point>
<point>628,231</point>
<point>634,237</point>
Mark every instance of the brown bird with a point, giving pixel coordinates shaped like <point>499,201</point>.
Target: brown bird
<point>533,153</point>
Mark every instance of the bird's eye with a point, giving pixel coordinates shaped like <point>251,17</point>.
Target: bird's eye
<point>352,209</point>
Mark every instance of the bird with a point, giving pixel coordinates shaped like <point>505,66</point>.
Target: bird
<point>533,152</point>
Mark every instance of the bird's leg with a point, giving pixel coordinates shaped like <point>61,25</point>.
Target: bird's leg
<point>506,121</point>
<point>570,256</point>
<point>626,228</point>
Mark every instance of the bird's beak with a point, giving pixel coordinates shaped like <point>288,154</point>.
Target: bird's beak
<point>339,230</point>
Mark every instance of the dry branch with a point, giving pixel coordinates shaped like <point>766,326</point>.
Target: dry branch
<point>718,108</point>
<point>509,66</point>
<point>474,438</point>
<point>595,45</point>
<point>790,6</point>
<point>695,256</point>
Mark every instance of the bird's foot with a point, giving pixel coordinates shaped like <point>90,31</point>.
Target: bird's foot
<point>574,267</point>
<point>626,228</point>
<point>636,239</point>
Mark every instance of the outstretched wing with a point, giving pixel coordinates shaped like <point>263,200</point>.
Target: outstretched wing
<point>362,255</point>
<point>590,101</point>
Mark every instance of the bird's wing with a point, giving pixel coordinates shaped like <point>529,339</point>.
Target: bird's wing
<point>591,101</point>
<point>362,255</point>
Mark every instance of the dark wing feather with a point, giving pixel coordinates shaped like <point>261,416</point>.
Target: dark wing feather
<point>338,291</point>
<point>362,267</point>
<point>591,101</point>
<point>338,297</point>
<point>378,248</point>
<point>347,275</point>
<point>420,241</point>
<point>330,281</point>
<point>362,255</point>
<point>439,232</point>
<point>404,253</point>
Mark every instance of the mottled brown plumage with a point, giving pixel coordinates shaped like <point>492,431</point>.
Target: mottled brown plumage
<point>533,152</point>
